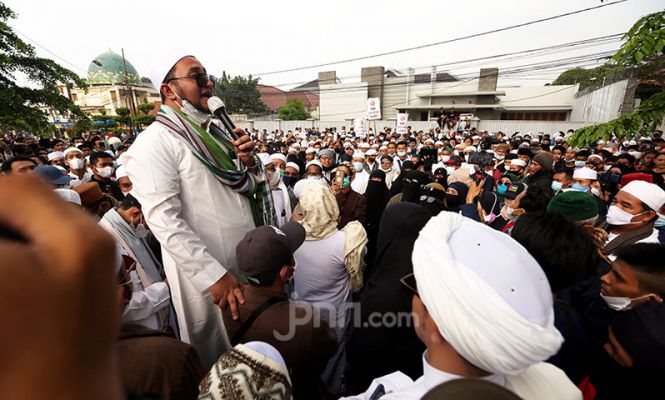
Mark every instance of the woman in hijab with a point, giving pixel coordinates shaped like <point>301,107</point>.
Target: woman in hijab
<point>377,199</point>
<point>432,197</point>
<point>407,166</point>
<point>456,196</point>
<point>328,269</point>
<point>250,371</point>
<point>440,176</point>
<point>373,350</point>
<point>386,165</point>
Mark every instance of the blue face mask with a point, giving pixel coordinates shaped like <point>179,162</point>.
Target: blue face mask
<point>579,164</point>
<point>346,182</point>
<point>580,188</point>
<point>501,189</point>
<point>660,222</point>
<point>556,186</point>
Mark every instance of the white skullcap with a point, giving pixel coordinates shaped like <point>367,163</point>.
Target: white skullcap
<point>524,145</point>
<point>359,154</point>
<point>278,156</point>
<point>383,148</point>
<point>518,162</point>
<point>114,140</point>
<point>347,145</point>
<point>438,143</point>
<point>120,172</point>
<point>646,192</point>
<point>364,145</point>
<point>69,195</point>
<point>268,351</point>
<point>632,143</point>
<point>601,142</point>
<point>310,150</point>
<point>585,173</point>
<point>314,162</point>
<point>293,165</point>
<point>292,150</point>
<point>72,150</point>
<point>300,186</point>
<point>163,65</point>
<point>265,158</point>
<point>596,156</point>
<point>55,154</point>
<point>371,152</point>
<point>470,149</point>
<point>495,312</point>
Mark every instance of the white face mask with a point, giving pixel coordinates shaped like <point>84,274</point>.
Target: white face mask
<point>595,191</point>
<point>358,167</point>
<point>498,157</point>
<point>401,154</point>
<point>76,163</point>
<point>617,216</point>
<point>445,158</point>
<point>274,178</point>
<point>510,211</point>
<point>105,172</point>
<point>192,112</point>
<point>620,303</point>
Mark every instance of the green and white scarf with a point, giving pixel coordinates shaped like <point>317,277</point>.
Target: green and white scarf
<point>217,154</point>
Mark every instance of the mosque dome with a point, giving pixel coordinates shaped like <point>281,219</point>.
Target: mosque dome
<point>107,68</point>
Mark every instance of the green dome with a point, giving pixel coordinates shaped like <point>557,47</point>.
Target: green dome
<point>107,68</point>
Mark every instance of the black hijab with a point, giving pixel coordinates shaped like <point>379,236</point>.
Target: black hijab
<point>377,197</point>
<point>411,185</point>
<point>454,201</point>
<point>396,188</point>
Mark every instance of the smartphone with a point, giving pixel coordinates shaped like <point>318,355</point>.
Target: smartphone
<point>339,177</point>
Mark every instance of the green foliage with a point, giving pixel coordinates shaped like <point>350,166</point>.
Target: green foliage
<point>586,77</point>
<point>80,126</point>
<point>144,119</point>
<point>293,110</point>
<point>19,104</point>
<point>145,108</point>
<point>122,111</point>
<point>239,94</point>
<point>643,47</point>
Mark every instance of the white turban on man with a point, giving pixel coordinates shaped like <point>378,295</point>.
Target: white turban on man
<point>489,298</point>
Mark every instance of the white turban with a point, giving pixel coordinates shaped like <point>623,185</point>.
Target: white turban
<point>496,312</point>
<point>648,193</point>
<point>163,65</point>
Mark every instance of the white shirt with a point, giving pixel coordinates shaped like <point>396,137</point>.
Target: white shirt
<point>541,381</point>
<point>359,184</point>
<point>76,181</point>
<point>653,238</point>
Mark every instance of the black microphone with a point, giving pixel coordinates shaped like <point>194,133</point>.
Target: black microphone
<point>217,107</point>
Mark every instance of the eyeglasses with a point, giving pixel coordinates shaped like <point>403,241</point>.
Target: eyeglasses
<point>409,281</point>
<point>201,79</point>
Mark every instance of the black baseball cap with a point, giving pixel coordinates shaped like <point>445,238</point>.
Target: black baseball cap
<point>265,250</point>
<point>514,190</point>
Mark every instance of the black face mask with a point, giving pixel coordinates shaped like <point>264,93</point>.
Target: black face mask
<point>453,200</point>
<point>289,180</point>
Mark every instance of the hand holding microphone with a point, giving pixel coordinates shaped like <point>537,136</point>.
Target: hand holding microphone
<point>242,143</point>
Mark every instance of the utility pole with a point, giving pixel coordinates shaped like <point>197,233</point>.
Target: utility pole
<point>130,93</point>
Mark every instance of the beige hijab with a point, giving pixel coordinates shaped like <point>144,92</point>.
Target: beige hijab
<point>320,217</point>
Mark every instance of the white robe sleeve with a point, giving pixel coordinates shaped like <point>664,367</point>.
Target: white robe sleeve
<point>153,168</point>
<point>145,303</point>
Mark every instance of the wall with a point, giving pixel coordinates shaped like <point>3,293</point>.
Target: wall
<point>600,105</point>
<point>343,100</point>
<point>528,126</point>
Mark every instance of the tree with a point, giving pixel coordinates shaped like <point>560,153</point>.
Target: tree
<point>145,108</point>
<point>239,94</point>
<point>586,77</point>
<point>123,115</point>
<point>293,110</point>
<point>642,51</point>
<point>20,105</point>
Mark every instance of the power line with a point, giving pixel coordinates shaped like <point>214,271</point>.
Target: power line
<point>457,39</point>
<point>48,51</point>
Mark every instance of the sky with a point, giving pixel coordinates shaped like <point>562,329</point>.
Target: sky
<point>254,37</point>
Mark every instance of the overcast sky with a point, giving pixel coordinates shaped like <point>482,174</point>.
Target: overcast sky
<point>253,36</point>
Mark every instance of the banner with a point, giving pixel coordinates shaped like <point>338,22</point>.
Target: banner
<point>402,121</point>
<point>373,108</point>
<point>360,127</point>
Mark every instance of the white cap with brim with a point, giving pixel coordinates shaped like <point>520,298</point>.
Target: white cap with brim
<point>163,65</point>
<point>646,192</point>
<point>278,156</point>
<point>585,173</point>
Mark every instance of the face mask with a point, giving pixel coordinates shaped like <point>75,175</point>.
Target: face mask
<point>660,222</point>
<point>290,180</point>
<point>607,168</point>
<point>568,161</point>
<point>510,211</point>
<point>620,303</point>
<point>556,186</point>
<point>595,191</point>
<point>386,170</point>
<point>105,172</point>
<point>358,167</point>
<point>499,157</point>
<point>401,154</point>
<point>579,164</point>
<point>450,170</point>
<point>580,188</point>
<point>315,177</point>
<point>346,182</point>
<point>501,189</point>
<point>192,112</point>
<point>141,231</point>
<point>445,158</point>
<point>76,163</point>
<point>617,216</point>
<point>274,178</point>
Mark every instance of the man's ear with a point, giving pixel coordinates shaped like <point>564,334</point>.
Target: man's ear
<point>284,273</point>
<point>168,92</point>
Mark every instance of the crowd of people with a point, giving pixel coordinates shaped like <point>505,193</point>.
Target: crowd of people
<point>323,263</point>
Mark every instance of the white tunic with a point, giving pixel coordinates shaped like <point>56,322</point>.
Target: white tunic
<point>359,184</point>
<point>198,222</point>
<point>541,381</point>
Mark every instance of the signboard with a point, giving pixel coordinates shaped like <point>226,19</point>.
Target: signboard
<point>373,108</point>
<point>402,121</point>
<point>360,127</point>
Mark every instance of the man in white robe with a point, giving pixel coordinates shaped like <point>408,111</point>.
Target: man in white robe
<point>197,219</point>
<point>480,316</point>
